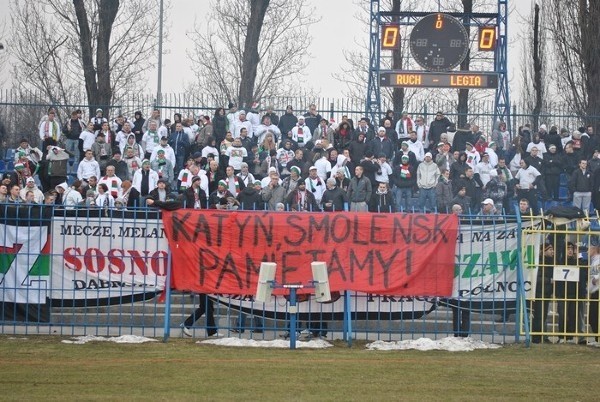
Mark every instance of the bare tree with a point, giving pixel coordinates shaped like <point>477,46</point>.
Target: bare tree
<point>250,57</point>
<point>110,43</point>
<point>576,68</point>
<point>3,53</point>
<point>463,94</point>
<point>533,66</point>
<point>355,71</point>
<point>247,55</point>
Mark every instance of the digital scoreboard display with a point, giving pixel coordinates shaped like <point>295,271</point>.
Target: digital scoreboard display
<point>439,42</point>
<point>455,79</point>
<point>487,39</point>
<point>390,37</point>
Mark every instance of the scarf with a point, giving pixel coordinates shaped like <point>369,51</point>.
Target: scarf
<point>405,172</point>
<point>301,200</point>
<point>114,186</point>
<point>184,181</point>
<point>125,196</point>
<point>197,199</point>
<point>312,186</point>
<point>145,186</point>
<point>237,184</point>
<point>54,130</point>
<point>300,135</point>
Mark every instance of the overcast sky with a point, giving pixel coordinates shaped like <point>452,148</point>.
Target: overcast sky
<point>330,36</point>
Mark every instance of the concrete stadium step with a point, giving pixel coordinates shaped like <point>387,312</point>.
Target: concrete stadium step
<point>229,321</point>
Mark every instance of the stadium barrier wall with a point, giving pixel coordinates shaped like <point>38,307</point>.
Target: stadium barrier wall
<point>104,272</point>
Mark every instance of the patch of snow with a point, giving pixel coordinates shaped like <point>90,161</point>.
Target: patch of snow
<point>80,340</point>
<point>277,343</point>
<point>451,344</point>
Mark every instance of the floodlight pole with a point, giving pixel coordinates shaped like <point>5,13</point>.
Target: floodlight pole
<point>160,51</point>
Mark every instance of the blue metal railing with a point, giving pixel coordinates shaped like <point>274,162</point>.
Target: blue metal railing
<point>106,273</point>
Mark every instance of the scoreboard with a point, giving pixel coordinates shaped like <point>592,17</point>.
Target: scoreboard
<point>439,43</point>
<point>454,79</point>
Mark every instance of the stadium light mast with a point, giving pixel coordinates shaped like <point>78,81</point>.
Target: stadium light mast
<point>160,44</point>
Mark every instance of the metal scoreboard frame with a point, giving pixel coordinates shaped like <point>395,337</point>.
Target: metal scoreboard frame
<point>439,43</point>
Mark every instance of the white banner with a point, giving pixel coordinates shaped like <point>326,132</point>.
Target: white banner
<point>487,259</point>
<point>23,266</point>
<point>96,258</point>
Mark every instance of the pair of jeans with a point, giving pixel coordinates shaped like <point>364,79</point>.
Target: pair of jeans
<point>427,199</point>
<point>403,197</point>
<point>205,306</point>
<point>72,146</point>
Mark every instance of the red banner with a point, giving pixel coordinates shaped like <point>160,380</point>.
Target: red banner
<point>388,254</point>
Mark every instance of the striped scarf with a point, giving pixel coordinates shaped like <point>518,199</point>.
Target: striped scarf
<point>184,181</point>
<point>300,135</point>
<point>54,130</point>
<point>114,188</point>
<point>237,184</point>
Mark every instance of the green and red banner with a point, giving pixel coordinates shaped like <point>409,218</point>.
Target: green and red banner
<point>391,254</point>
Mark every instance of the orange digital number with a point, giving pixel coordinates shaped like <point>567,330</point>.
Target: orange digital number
<point>439,23</point>
<point>390,37</point>
<point>487,38</point>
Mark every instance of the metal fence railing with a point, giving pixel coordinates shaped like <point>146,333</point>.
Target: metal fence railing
<point>93,271</point>
<point>20,113</point>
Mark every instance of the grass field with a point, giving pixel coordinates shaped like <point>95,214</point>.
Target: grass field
<point>42,368</point>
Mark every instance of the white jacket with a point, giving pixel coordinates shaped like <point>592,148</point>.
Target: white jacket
<point>305,133</point>
<point>110,182</point>
<point>427,175</point>
<point>71,197</point>
<point>38,195</point>
<point>87,169</point>
<point>169,154</point>
<point>152,180</point>
<point>238,125</point>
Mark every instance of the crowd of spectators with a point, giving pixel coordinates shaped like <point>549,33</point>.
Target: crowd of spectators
<point>257,159</point>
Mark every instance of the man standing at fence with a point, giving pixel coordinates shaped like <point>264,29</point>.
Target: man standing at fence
<point>88,167</point>
<point>180,143</point>
<point>580,186</point>
<point>72,130</point>
<point>543,294</point>
<point>528,177</point>
<point>49,131</point>
<point>567,292</point>
<point>359,191</point>
<point>428,175</point>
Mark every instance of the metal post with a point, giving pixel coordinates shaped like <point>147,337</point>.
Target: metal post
<point>167,290</point>
<point>347,318</point>
<point>373,103</point>
<point>293,316</point>
<point>521,302</point>
<point>160,43</point>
